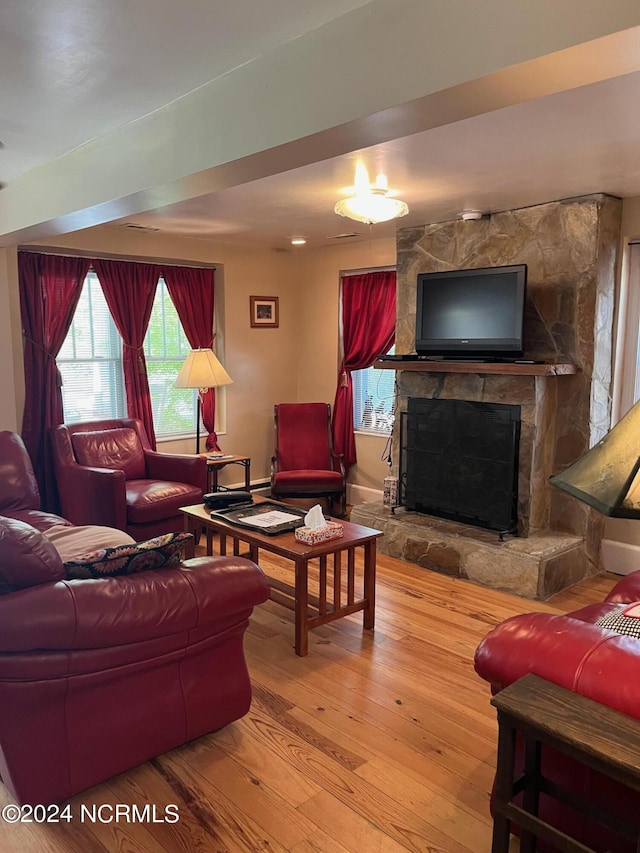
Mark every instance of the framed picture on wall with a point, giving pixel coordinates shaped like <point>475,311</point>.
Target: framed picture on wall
<point>264,311</point>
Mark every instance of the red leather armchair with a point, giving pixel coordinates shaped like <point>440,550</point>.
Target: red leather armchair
<point>106,473</point>
<point>304,464</point>
<point>575,653</point>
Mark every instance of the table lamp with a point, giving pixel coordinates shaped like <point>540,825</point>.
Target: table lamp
<point>201,370</point>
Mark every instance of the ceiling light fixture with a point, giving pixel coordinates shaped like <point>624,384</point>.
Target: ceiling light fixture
<point>298,241</point>
<point>370,203</point>
<point>470,215</point>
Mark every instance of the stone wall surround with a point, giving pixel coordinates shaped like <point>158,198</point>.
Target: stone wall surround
<point>570,249</point>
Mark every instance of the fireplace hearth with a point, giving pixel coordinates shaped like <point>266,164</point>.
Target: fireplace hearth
<point>459,460</point>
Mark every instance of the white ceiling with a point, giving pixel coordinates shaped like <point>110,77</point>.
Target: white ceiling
<point>73,70</point>
<point>569,144</point>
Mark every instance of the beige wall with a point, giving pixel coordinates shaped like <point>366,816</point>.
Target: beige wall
<point>297,361</point>
<point>318,278</point>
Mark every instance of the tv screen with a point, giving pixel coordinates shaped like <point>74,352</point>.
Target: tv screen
<point>466,313</point>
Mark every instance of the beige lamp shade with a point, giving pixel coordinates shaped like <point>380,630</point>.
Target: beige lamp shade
<point>202,370</point>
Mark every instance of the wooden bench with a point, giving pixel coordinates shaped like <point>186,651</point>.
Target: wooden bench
<point>593,734</point>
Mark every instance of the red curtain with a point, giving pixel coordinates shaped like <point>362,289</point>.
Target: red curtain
<point>368,330</point>
<point>50,286</point>
<point>129,289</point>
<point>192,292</point>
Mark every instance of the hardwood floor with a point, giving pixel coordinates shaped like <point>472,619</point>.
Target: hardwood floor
<point>377,742</point>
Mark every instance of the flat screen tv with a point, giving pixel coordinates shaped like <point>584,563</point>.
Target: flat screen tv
<point>471,313</point>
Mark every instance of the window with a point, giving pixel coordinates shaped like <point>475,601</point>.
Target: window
<point>373,399</point>
<point>627,373</point>
<point>90,362</point>
<point>165,349</point>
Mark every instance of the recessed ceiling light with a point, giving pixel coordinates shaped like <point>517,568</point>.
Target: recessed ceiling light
<point>298,241</point>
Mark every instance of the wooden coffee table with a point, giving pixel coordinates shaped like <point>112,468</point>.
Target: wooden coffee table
<point>332,602</point>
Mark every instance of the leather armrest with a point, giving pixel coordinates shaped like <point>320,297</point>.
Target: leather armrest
<point>93,614</point>
<point>580,656</point>
<point>177,467</point>
<point>92,495</point>
<point>626,590</point>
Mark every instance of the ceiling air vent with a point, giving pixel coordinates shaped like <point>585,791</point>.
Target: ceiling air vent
<point>135,227</point>
<point>343,236</point>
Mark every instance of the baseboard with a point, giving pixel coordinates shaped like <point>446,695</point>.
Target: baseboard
<point>362,494</point>
<point>621,558</point>
<point>263,489</point>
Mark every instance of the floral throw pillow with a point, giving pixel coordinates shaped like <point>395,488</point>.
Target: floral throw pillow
<point>159,552</point>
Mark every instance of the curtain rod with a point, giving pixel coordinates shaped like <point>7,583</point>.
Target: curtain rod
<point>391,268</point>
<point>106,256</point>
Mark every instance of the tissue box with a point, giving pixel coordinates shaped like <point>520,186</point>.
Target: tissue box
<point>315,535</point>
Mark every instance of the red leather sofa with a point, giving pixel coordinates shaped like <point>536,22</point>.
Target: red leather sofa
<point>97,676</point>
<point>106,473</point>
<point>593,661</point>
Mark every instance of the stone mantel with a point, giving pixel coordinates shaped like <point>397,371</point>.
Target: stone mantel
<point>510,369</point>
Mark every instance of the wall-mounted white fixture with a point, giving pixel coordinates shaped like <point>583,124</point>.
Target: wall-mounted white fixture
<point>470,215</point>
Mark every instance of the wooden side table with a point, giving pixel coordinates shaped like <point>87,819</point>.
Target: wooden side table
<point>215,464</point>
<point>590,733</point>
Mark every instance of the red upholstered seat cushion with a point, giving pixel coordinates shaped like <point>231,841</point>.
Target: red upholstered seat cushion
<point>113,448</point>
<point>27,557</point>
<point>150,500</point>
<point>309,479</point>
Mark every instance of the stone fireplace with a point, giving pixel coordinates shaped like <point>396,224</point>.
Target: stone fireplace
<point>570,249</point>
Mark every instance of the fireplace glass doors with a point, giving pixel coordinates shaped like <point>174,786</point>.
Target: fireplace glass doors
<point>459,460</point>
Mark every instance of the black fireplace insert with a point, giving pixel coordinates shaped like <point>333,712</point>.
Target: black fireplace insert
<point>459,460</point>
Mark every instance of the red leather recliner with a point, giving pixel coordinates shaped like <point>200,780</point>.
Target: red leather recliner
<point>106,473</point>
<point>593,661</point>
<point>97,676</point>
